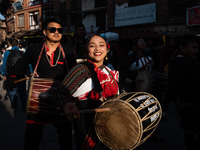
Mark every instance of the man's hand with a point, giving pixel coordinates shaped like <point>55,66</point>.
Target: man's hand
<point>71,111</point>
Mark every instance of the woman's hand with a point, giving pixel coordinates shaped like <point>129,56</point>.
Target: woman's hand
<point>71,111</point>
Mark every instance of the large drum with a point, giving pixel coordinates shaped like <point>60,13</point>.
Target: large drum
<point>42,98</point>
<point>132,118</point>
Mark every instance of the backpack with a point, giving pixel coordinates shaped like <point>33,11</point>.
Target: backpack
<point>13,57</point>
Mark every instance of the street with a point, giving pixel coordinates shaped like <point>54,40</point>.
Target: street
<point>168,135</point>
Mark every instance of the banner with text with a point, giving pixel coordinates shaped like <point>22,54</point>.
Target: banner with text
<point>135,15</point>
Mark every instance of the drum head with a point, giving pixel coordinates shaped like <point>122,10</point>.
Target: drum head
<point>119,128</point>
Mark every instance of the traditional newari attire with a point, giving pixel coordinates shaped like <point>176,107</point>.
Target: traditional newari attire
<point>81,84</point>
<point>54,67</point>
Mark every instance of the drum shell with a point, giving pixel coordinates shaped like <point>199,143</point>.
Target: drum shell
<point>130,121</point>
<point>42,98</point>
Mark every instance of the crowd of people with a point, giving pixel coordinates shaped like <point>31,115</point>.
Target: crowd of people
<point>92,70</point>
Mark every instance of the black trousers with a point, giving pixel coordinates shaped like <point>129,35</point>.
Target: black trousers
<point>85,123</point>
<point>34,135</point>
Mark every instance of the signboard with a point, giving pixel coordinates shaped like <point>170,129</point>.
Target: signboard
<point>17,5</point>
<point>193,16</point>
<point>135,15</point>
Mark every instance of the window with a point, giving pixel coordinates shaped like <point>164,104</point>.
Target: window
<point>33,2</point>
<point>34,20</point>
<point>21,20</point>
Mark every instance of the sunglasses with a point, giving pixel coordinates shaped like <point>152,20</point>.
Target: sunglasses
<point>53,30</point>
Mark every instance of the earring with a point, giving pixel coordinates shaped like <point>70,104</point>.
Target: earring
<point>106,58</point>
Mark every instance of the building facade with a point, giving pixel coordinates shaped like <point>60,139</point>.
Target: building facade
<point>129,18</point>
<point>2,31</point>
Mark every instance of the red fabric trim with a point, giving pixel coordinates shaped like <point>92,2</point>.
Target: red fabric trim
<point>45,122</point>
<point>13,76</point>
<point>90,143</point>
<point>62,63</point>
<point>52,55</point>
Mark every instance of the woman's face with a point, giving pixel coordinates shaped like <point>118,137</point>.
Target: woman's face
<point>97,50</point>
<point>141,43</point>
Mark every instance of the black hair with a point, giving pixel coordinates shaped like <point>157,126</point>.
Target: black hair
<point>14,42</point>
<point>87,43</point>
<point>50,19</point>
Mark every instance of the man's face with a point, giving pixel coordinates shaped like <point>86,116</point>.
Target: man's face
<point>53,32</point>
<point>191,50</point>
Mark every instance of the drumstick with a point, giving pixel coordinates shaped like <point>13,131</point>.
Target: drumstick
<point>91,111</point>
<point>94,110</point>
<point>20,80</point>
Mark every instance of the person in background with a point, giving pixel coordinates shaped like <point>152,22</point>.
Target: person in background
<point>12,92</point>
<point>49,59</point>
<point>78,41</point>
<point>89,84</point>
<point>21,48</point>
<point>4,44</point>
<point>1,62</point>
<point>135,61</point>
<point>9,45</point>
<point>183,74</point>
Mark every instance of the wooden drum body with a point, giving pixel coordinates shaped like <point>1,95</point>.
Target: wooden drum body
<point>132,119</point>
<point>42,97</point>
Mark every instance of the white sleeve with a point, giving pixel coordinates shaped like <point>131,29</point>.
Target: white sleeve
<point>87,86</point>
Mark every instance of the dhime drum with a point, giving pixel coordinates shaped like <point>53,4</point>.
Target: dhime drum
<point>132,119</point>
<point>42,97</point>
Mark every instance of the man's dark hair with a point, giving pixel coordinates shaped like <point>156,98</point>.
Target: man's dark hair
<point>52,19</point>
<point>14,42</point>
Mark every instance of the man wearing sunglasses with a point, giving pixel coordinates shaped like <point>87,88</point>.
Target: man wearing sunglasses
<point>49,59</point>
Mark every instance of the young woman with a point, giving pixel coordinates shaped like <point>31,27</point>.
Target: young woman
<point>87,86</point>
